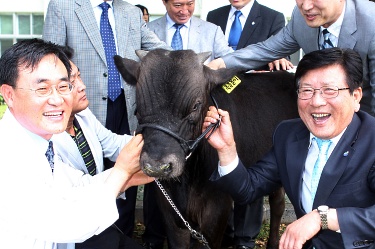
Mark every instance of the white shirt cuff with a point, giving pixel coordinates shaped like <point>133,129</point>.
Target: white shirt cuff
<point>224,170</point>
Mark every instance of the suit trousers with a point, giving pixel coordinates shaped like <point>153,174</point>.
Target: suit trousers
<point>153,218</point>
<point>111,238</point>
<point>117,122</point>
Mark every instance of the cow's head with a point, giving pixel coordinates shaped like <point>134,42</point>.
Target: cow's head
<point>172,98</point>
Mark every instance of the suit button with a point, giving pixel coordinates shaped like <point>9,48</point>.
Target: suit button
<point>105,74</point>
<point>104,98</point>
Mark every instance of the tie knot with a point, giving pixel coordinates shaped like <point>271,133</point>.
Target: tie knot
<point>325,32</point>
<point>178,26</point>
<point>237,13</point>
<point>323,144</point>
<point>105,6</point>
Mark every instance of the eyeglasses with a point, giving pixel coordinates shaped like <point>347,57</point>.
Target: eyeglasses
<point>327,92</point>
<point>64,88</point>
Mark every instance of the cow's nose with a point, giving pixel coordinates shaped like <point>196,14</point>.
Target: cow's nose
<point>157,171</point>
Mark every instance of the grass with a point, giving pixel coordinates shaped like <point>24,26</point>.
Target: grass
<point>2,110</point>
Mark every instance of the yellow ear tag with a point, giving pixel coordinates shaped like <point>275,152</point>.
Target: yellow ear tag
<point>231,84</point>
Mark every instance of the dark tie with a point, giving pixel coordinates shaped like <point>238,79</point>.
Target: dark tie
<point>327,42</point>
<point>177,39</point>
<point>319,164</point>
<point>235,30</point>
<point>84,148</point>
<point>50,154</point>
<point>108,40</point>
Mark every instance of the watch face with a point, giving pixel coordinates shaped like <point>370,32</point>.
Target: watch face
<point>323,208</point>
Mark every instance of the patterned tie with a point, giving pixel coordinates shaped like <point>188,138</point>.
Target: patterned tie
<point>319,164</point>
<point>235,30</point>
<point>50,154</point>
<point>108,40</point>
<point>177,39</point>
<point>84,148</point>
<point>327,42</point>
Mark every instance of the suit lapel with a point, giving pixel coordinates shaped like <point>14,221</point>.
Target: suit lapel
<point>349,26</point>
<point>195,34</point>
<point>337,163</point>
<point>85,13</point>
<point>250,25</point>
<point>161,28</point>
<point>295,162</point>
<point>223,19</point>
<point>121,16</point>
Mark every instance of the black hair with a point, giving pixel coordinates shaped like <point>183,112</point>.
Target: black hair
<point>143,8</point>
<point>349,60</point>
<point>28,53</point>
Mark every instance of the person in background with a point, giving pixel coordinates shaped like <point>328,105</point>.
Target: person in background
<point>181,30</point>
<point>146,15</point>
<point>97,30</point>
<point>324,159</point>
<point>60,204</point>
<point>83,146</point>
<point>257,23</point>
<point>318,25</point>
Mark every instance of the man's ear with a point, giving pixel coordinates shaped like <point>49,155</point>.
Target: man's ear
<point>8,93</point>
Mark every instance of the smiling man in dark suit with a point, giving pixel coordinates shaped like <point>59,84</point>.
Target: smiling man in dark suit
<point>333,189</point>
<point>258,23</point>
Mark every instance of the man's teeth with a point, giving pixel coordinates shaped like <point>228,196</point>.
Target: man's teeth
<point>52,113</point>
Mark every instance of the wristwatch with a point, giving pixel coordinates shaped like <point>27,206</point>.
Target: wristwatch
<point>323,211</point>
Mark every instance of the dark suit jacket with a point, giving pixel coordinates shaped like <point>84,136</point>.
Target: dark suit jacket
<point>347,182</point>
<point>261,23</point>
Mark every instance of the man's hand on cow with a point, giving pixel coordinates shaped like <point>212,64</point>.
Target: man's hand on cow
<point>297,233</point>
<point>216,64</point>
<point>128,159</point>
<point>137,179</point>
<point>282,64</point>
<point>222,138</point>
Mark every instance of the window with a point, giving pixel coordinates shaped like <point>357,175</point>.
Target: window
<point>15,27</point>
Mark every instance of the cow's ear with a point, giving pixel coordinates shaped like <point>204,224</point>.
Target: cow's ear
<point>202,57</point>
<point>141,53</point>
<point>127,68</point>
<point>219,76</point>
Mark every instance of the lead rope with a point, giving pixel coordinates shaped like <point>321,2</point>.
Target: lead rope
<point>196,235</point>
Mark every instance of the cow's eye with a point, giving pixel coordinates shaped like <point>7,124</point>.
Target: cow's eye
<point>196,106</point>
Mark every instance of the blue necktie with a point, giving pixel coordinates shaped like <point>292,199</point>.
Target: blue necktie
<point>327,42</point>
<point>235,30</point>
<point>50,154</point>
<point>177,39</point>
<point>108,40</point>
<point>319,164</point>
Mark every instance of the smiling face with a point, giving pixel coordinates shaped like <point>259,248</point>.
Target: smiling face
<point>180,11</point>
<point>80,101</point>
<point>239,4</point>
<point>320,12</point>
<point>43,116</point>
<point>327,118</point>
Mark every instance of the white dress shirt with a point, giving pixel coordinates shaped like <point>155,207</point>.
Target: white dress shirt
<point>245,13</point>
<point>40,208</point>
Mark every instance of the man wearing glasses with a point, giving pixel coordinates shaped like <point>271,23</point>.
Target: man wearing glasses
<point>43,200</point>
<point>324,160</point>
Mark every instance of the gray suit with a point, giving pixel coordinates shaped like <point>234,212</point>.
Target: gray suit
<point>203,36</point>
<point>72,23</point>
<point>357,33</point>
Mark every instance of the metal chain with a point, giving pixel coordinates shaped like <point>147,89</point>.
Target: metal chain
<point>196,235</point>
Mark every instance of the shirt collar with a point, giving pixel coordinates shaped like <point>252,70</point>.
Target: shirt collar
<point>245,10</point>
<point>334,140</point>
<point>95,3</point>
<point>170,22</point>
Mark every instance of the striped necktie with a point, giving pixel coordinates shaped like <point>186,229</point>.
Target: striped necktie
<point>50,154</point>
<point>84,148</point>
<point>177,39</point>
<point>319,164</point>
<point>327,42</point>
<point>108,40</point>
